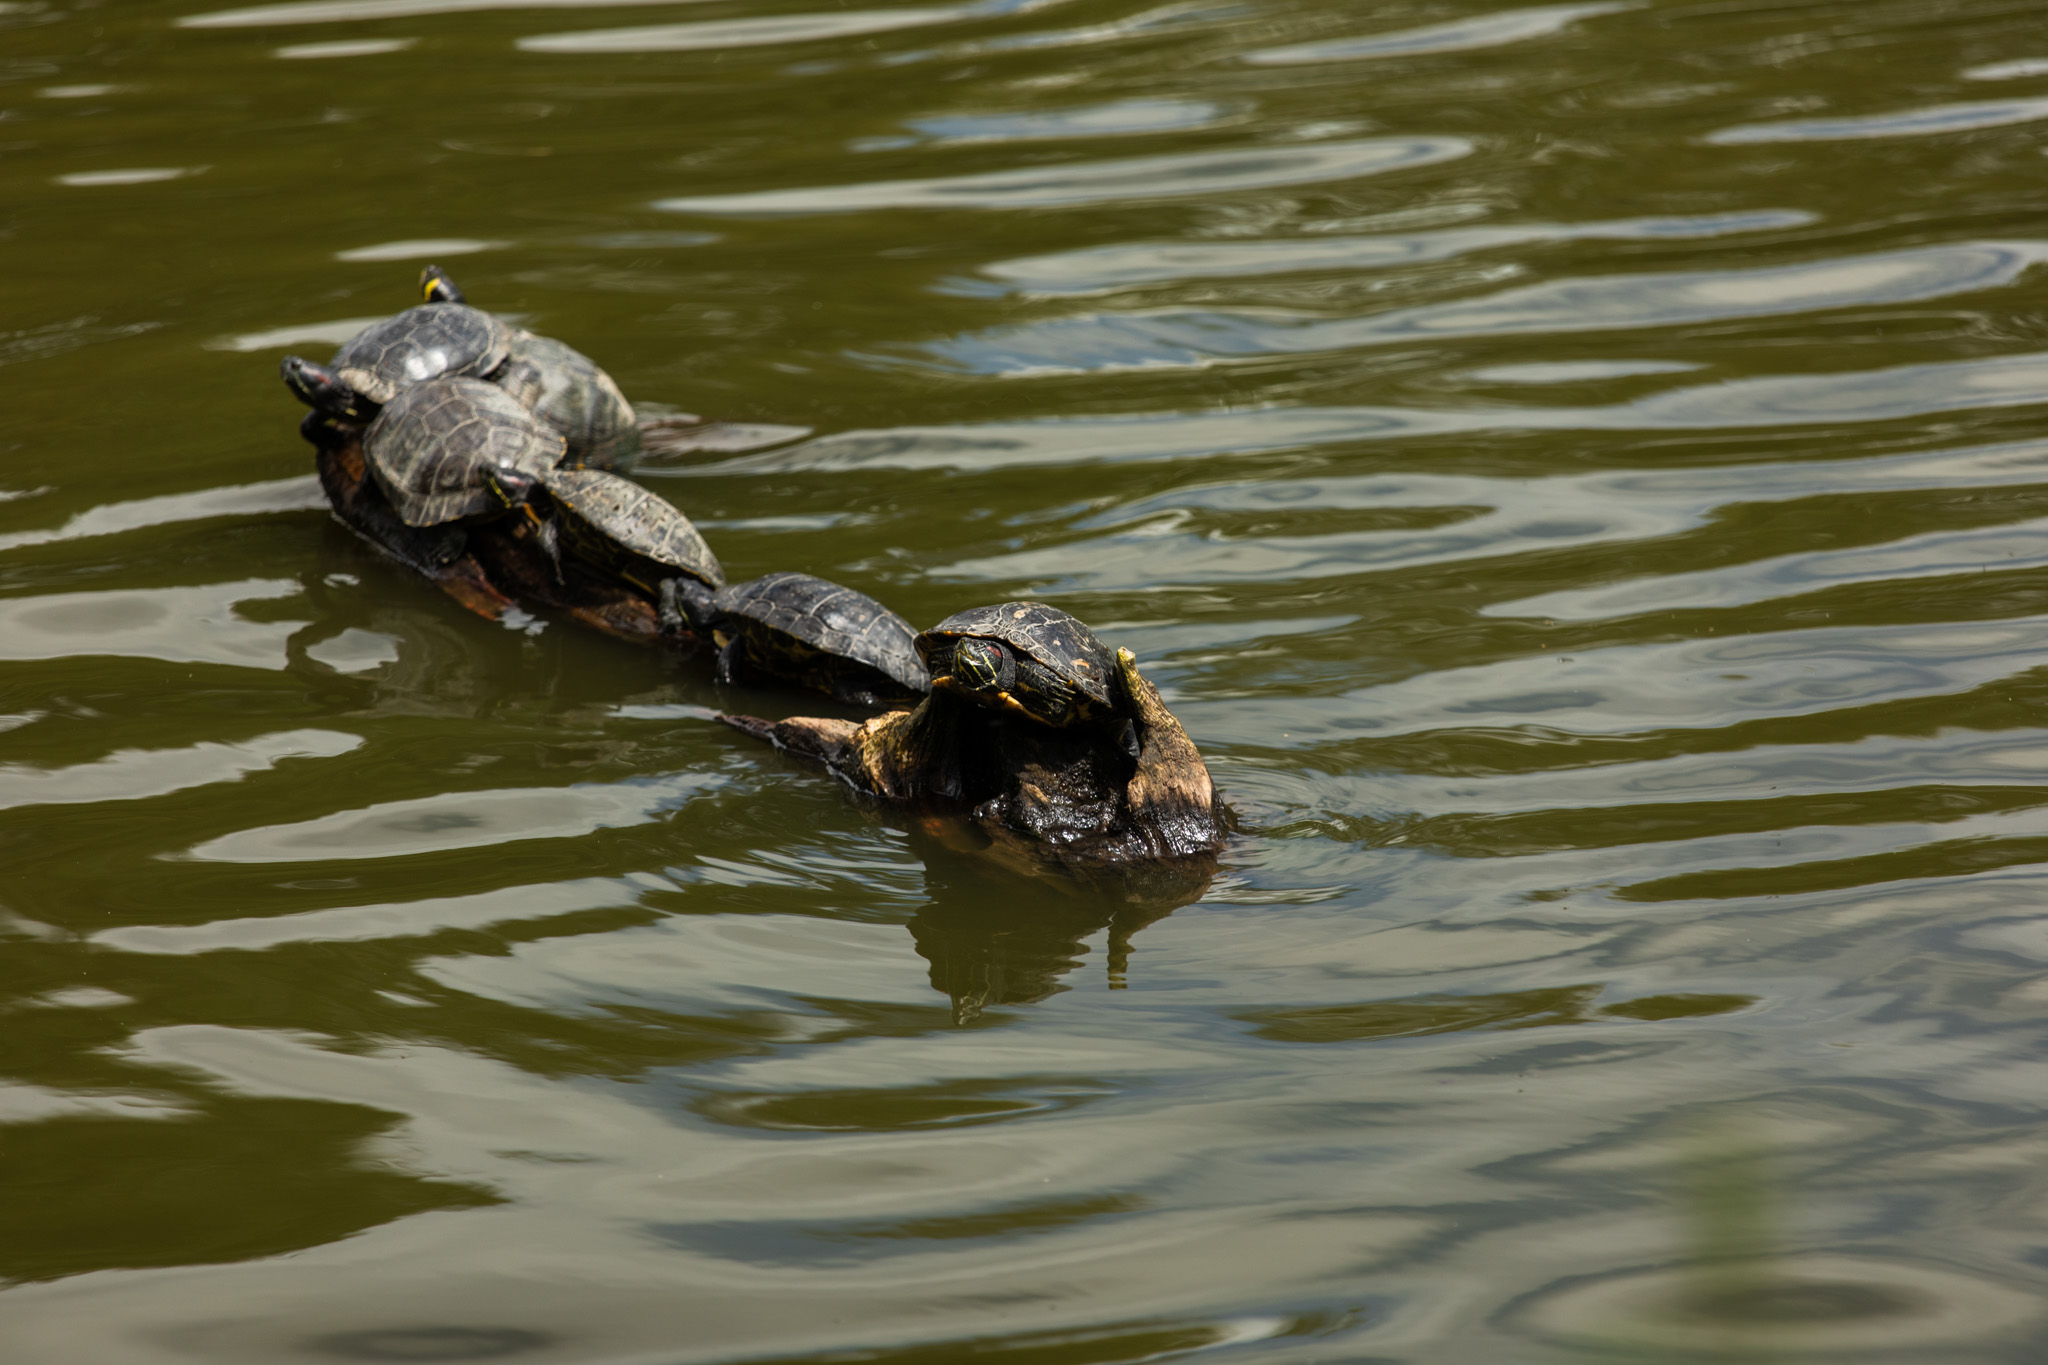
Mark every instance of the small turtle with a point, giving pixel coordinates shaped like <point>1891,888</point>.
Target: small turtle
<point>430,445</point>
<point>815,632</point>
<point>564,388</point>
<point>374,366</point>
<point>1026,657</point>
<point>614,526</point>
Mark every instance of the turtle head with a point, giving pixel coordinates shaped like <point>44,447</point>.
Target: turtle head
<point>685,604</point>
<point>509,485</point>
<point>436,287</point>
<point>317,387</point>
<point>983,667</point>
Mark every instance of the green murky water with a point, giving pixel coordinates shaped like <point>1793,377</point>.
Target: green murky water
<point>1574,469</point>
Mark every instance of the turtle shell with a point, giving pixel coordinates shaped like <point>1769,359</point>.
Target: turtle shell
<point>790,619</point>
<point>1063,671</point>
<point>427,342</point>
<point>615,523</point>
<point>567,390</point>
<point>429,444</point>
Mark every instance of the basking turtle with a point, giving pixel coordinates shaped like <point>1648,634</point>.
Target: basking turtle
<point>1076,795</point>
<point>563,387</point>
<point>610,524</point>
<point>1026,657</point>
<point>429,447</point>
<point>423,343</point>
<point>815,632</point>
<point>388,357</point>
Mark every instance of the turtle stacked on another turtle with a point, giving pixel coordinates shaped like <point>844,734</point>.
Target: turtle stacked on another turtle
<point>486,440</point>
<point>449,445</point>
<point>422,344</point>
<point>1039,733</point>
<point>560,385</point>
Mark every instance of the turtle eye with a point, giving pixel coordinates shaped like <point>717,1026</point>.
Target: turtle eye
<point>978,665</point>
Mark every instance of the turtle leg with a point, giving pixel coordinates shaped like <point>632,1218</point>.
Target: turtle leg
<point>728,662</point>
<point>550,539</point>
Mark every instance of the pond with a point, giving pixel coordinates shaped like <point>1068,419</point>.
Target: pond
<point>1574,469</point>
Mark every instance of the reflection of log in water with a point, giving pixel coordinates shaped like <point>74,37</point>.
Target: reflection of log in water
<point>995,939</point>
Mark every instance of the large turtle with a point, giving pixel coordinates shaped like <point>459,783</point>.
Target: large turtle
<point>564,388</point>
<point>815,632</point>
<point>609,524</point>
<point>1026,657</point>
<point>429,447</point>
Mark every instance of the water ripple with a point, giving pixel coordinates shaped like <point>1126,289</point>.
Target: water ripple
<point>1940,118</point>
<point>360,11</point>
<point>1182,337</point>
<point>1101,269</point>
<point>712,34</point>
<point>452,820</point>
<point>1460,35</point>
<point>1882,395</point>
<point>1099,182</point>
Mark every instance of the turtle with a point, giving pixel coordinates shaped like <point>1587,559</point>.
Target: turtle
<point>419,344</point>
<point>815,632</point>
<point>1025,657</point>
<point>564,388</point>
<point>1079,795</point>
<point>430,445</point>
<point>378,363</point>
<point>610,524</point>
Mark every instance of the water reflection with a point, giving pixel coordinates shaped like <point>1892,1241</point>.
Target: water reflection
<point>1096,182</point>
<point>994,940</point>
<point>430,1343</point>
<point>140,175</point>
<point>1167,338</point>
<point>1743,1293</point>
<point>1945,118</point>
<point>1461,35</point>
<point>1106,268</point>
<point>359,11</point>
<point>1119,118</point>
<point>416,250</point>
<point>1819,400</point>
<point>356,47</point>
<point>712,34</point>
